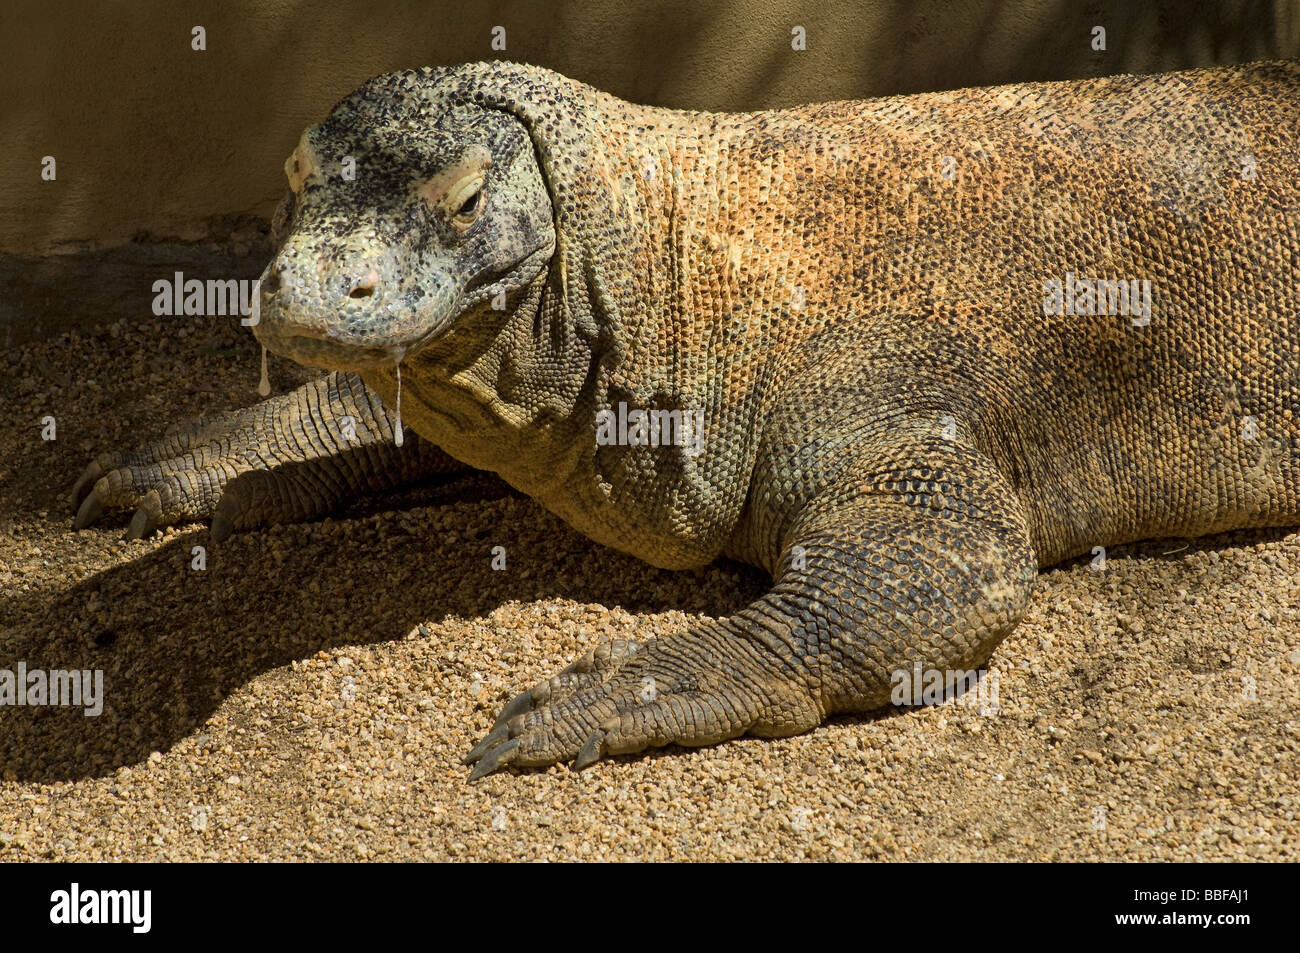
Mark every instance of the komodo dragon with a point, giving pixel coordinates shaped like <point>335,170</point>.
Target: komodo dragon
<point>935,342</point>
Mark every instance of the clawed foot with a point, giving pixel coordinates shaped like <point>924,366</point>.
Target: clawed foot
<point>283,460</point>
<point>624,697</point>
<point>177,479</point>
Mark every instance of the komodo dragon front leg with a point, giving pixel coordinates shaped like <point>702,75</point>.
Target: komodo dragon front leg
<point>296,456</point>
<point>919,552</point>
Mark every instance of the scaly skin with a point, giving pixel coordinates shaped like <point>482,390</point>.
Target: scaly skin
<point>853,295</point>
<point>291,458</point>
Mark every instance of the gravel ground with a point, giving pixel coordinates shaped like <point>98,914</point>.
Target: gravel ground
<point>308,694</point>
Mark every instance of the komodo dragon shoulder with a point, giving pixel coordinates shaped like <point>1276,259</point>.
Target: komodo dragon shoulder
<point>898,353</point>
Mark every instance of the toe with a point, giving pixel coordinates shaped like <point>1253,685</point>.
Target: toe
<point>91,508</point>
<point>147,517</point>
<point>496,759</point>
<point>90,476</point>
<point>497,735</point>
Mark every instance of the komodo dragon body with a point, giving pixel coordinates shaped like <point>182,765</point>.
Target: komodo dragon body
<point>935,342</point>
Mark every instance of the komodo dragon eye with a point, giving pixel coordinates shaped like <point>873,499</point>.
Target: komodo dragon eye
<point>457,191</point>
<point>470,207</point>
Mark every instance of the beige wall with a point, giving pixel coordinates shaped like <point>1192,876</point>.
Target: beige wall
<point>153,137</point>
<point>171,159</point>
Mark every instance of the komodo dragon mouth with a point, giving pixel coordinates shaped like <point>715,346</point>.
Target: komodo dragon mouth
<point>331,355</point>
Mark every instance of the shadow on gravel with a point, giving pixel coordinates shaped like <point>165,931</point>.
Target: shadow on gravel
<point>1175,552</point>
<point>173,642</point>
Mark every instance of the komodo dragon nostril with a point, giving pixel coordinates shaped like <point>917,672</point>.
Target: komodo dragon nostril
<point>364,286</point>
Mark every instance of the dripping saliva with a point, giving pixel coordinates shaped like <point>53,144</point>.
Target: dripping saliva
<point>264,385</point>
<point>397,426</point>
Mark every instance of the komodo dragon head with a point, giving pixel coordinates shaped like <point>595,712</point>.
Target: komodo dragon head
<point>409,209</point>
<point>485,246</point>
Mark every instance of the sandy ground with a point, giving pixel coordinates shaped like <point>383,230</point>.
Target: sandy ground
<point>307,696</point>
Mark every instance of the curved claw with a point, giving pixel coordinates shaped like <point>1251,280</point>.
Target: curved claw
<point>91,509</point>
<point>221,528</point>
<point>85,483</point>
<point>498,734</point>
<point>227,511</point>
<point>591,751</point>
<point>496,759</point>
<point>142,525</point>
<point>146,518</point>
